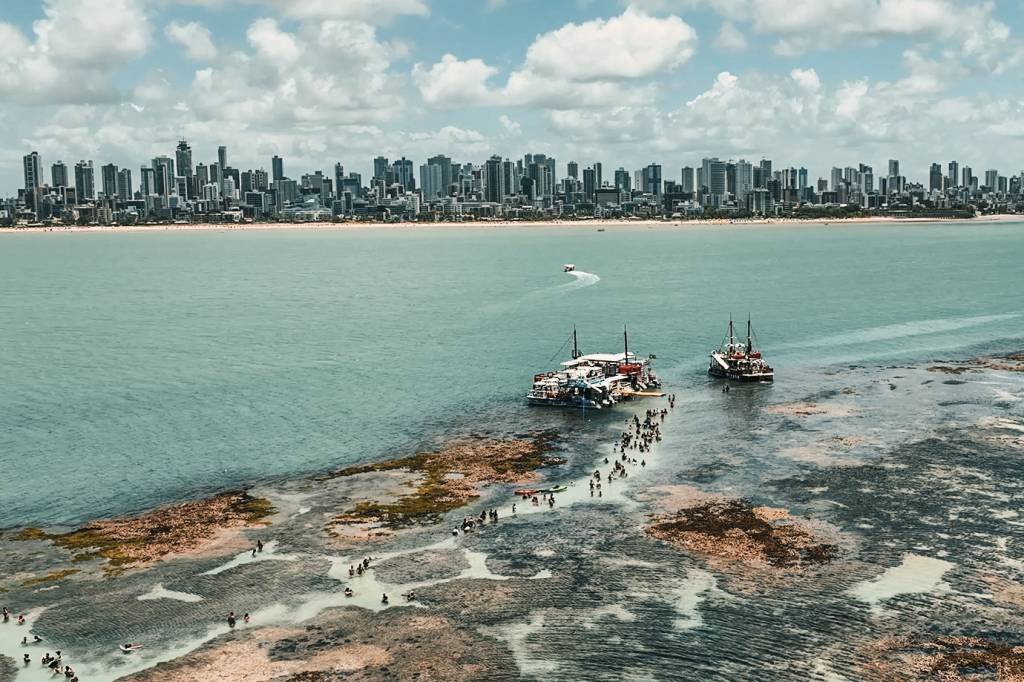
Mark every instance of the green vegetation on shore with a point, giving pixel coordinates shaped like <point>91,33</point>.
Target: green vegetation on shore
<point>50,577</point>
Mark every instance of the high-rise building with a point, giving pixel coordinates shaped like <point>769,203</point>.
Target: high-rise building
<point>867,178</point>
<point>935,178</point>
<point>714,178</point>
<point>968,177</point>
<point>492,180</point>
<point>108,175</point>
<point>766,171</point>
<point>59,174</point>
<point>339,178</point>
<point>622,181</point>
<point>687,179</point>
<point>574,170</point>
<point>222,166</point>
<point>124,185</point>
<point>85,180</point>
<point>801,180</point>
<point>183,156</point>
<point>430,181</point>
<point>652,179</point>
<point>744,181</point>
<point>33,170</point>
<point>403,174</point>
<point>381,166</point>
<point>836,179</point>
<point>589,183</point>
<point>509,182</point>
<point>277,168</point>
<point>147,178</point>
<point>163,170</point>
<point>445,163</point>
<point>953,178</point>
<point>598,176</point>
<point>894,168</point>
<point>992,180</point>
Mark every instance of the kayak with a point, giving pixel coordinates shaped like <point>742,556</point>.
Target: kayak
<point>128,648</point>
<point>556,489</point>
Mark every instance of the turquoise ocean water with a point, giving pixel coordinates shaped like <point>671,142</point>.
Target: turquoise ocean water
<point>144,368</point>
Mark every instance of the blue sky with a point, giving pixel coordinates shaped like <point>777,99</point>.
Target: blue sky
<point>814,83</point>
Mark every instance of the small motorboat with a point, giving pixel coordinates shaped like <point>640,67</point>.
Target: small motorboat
<point>129,648</point>
<point>555,489</point>
<point>568,267</point>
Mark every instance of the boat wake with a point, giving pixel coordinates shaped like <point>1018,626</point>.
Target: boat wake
<point>894,332</point>
<point>582,279</point>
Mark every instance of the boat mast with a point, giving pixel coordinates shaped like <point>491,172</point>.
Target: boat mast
<point>731,339</point>
<point>575,348</point>
<point>750,346</point>
<point>625,341</point>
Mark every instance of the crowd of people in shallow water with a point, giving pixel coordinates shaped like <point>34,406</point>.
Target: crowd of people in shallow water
<point>55,662</point>
<point>638,437</point>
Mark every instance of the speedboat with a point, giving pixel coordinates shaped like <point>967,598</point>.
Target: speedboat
<point>568,267</point>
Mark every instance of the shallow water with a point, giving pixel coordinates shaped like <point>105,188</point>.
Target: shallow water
<point>148,368</point>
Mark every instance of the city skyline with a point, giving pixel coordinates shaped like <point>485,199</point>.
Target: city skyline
<point>180,188</point>
<point>621,83</point>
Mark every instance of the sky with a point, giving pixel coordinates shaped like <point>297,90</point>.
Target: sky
<point>815,83</point>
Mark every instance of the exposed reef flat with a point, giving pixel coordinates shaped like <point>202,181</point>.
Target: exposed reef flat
<point>447,479</point>
<point>182,529</point>
<point>944,658</point>
<point>345,643</point>
<point>1012,362</point>
<point>736,530</point>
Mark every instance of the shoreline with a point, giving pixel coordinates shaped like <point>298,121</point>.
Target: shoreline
<point>482,224</point>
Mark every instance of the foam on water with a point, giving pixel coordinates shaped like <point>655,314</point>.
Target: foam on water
<point>583,279</point>
<point>916,574</point>
<point>161,592</point>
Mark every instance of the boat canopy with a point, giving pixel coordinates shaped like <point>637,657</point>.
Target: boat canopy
<point>600,357</point>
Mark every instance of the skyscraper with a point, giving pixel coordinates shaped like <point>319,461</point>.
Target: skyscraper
<point>935,178</point>
<point>147,177</point>
<point>33,170</point>
<point>403,172</point>
<point>589,183</point>
<point>714,178</point>
<point>622,181</point>
<point>744,181</point>
<point>183,155</point>
<point>430,181</point>
<point>277,168</point>
<point>687,179</point>
<point>445,164</point>
<point>652,179</point>
<point>108,174</point>
<point>574,170</point>
<point>339,177</point>
<point>992,180</point>
<point>124,185</point>
<point>59,174</point>
<point>598,177</point>
<point>953,179</point>
<point>380,168</point>
<point>492,180</point>
<point>85,181</point>
<point>163,173</point>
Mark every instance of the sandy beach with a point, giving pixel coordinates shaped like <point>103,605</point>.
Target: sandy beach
<point>572,224</point>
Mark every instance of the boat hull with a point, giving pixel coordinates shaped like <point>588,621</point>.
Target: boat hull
<point>562,402</point>
<point>719,373</point>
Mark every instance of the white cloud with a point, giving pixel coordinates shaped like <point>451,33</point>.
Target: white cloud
<point>76,49</point>
<point>368,11</point>
<point>452,82</point>
<point>509,126</point>
<point>730,38</point>
<point>590,64</point>
<point>194,37</point>
<point>632,45</point>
